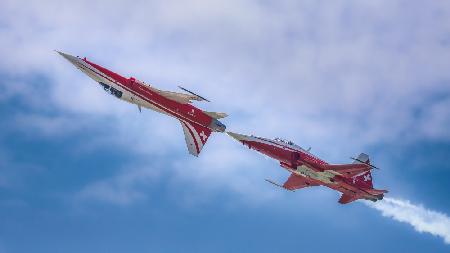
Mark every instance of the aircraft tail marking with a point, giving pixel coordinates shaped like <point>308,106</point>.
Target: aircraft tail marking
<point>363,179</point>
<point>195,136</point>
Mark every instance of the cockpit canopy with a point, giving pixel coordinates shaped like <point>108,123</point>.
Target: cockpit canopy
<point>285,141</point>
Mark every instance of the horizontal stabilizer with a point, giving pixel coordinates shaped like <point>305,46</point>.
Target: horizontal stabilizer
<point>216,115</point>
<point>376,191</point>
<point>347,198</point>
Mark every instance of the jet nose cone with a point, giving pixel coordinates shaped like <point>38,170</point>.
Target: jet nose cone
<point>238,137</point>
<point>74,60</point>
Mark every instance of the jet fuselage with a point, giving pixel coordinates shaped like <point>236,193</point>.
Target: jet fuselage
<point>301,162</point>
<point>141,94</point>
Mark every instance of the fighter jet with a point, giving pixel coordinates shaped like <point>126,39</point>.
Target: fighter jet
<point>354,180</point>
<point>197,124</point>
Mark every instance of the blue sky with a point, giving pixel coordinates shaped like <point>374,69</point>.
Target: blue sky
<point>82,171</point>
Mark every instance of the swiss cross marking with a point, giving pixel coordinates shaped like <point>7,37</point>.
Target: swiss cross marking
<point>203,135</point>
<point>367,177</point>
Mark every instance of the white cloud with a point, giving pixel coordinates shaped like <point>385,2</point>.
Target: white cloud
<point>226,166</point>
<point>121,189</point>
<point>422,219</point>
<point>338,76</point>
<point>335,70</point>
<point>435,122</point>
<point>13,172</point>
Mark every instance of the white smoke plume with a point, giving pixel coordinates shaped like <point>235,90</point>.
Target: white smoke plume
<point>421,218</point>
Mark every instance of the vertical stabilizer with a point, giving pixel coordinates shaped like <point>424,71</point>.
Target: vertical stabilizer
<point>364,179</point>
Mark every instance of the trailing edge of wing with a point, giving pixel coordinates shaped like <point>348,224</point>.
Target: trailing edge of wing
<point>195,137</point>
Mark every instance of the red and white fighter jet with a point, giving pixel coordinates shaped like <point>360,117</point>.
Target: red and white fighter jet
<point>197,124</point>
<point>354,180</point>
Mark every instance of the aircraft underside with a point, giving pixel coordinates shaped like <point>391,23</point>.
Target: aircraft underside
<point>327,178</point>
<point>197,124</point>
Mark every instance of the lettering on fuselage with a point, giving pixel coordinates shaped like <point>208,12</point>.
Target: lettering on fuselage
<point>112,90</point>
<point>191,113</point>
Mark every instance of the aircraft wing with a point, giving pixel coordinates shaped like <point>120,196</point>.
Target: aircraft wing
<point>297,182</point>
<point>195,136</point>
<point>346,170</point>
<point>179,97</point>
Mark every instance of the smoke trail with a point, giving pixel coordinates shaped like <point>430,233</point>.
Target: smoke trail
<point>422,219</point>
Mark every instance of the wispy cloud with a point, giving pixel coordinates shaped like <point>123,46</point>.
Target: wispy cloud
<point>121,189</point>
<point>422,219</point>
<point>319,74</point>
<point>342,69</point>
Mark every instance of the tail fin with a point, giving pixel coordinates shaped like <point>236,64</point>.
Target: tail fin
<point>195,136</point>
<point>362,158</point>
<point>364,179</point>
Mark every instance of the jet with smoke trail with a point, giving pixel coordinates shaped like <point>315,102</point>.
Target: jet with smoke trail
<point>354,180</point>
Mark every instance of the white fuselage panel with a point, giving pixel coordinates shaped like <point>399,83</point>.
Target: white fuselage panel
<point>322,176</point>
